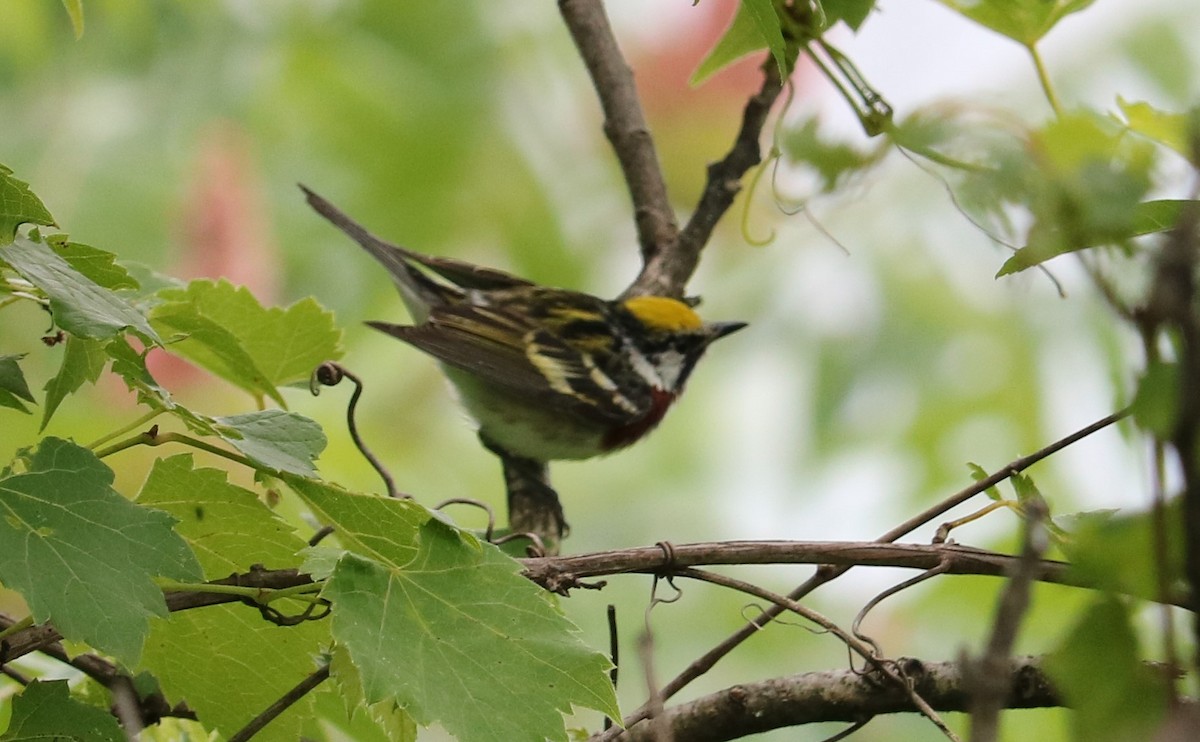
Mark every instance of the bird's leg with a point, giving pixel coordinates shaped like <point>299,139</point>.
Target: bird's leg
<point>533,505</point>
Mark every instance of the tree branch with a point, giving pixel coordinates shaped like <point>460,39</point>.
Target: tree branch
<point>667,272</point>
<point>840,695</point>
<point>624,123</point>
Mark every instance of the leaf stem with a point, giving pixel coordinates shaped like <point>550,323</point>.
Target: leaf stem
<point>258,594</point>
<point>1044,80</point>
<point>21,625</point>
<point>157,439</point>
<point>125,429</point>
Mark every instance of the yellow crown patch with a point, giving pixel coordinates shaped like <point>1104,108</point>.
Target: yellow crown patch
<point>663,313</point>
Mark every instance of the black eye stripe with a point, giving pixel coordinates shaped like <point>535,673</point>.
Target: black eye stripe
<point>583,328</point>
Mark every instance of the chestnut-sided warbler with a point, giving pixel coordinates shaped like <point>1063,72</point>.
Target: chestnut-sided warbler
<point>547,373</point>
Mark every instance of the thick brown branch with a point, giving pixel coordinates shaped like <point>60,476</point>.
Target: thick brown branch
<point>839,695</point>
<point>624,123</point>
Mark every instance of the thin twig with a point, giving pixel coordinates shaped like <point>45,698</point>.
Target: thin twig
<point>285,701</point>
<point>881,666</point>
<point>986,677</point>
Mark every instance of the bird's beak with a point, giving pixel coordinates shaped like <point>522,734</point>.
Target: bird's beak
<point>718,330</point>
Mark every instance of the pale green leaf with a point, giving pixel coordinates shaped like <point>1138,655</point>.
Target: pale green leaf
<point>45,712</point>
<point>1116,550</point>
<point>229,664</point>
<point>1099,670</point>
<point>18,206</point>
<point>228,527</point>
<point>83,360</point>
<point>82,555</point>
<point>279,440</point>
<point>1170,129</point>
<point>228,332</point>
<point>1156,402</point>
<point>1149,217</point>
<point>75,12</point>
<point>79,305</point>
<point>1023,21</point>
<point>741,38</point>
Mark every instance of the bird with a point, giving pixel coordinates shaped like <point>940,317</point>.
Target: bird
<point>547,373</point>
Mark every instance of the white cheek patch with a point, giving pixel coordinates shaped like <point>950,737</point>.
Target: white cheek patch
<point>670,366</point>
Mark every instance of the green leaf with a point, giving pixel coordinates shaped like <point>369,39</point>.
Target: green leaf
<point>1115,551</point>
<point>978,473</point>
<point>766,20</point>
<point>1023,21</point>
<point>79,305</point>
<point>18,206</point>
<point>279,440</point>
<point>834,162</point>
<point>1024,487</point>
<point>13,388</point>
<point>45,712</point>
<point>229,333</point>
<point>228,527</point>
<point>1084,184</point>
<point>82,555</point>
<point>1156,401</point>
<point>75,12</point>
<point>1149,217</point>
<point>1170,129</point>
<point>447,627</point>
<point>83,360</point>
<point>744,36</point>
<point>100,266</point>
<point>387,716</point>
<point>851,12</point>
<point>1099,671</point>
<point>229,664</point>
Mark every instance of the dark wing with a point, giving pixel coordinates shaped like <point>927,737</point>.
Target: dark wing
<point>510,352</point>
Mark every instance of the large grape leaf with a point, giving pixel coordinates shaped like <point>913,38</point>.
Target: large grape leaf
<point>447,626</point>
<point>82,555</point>
<point>79,305</point>
<point>230,665</point>
<point>18,206</point>
<point>227,662</point>
<point>227,526</point>
<point>228,332</point>
<point>45,712</point>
